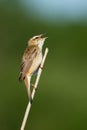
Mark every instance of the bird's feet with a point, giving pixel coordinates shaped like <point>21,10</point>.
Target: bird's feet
<point>33,85</point>
<point>40,66</point>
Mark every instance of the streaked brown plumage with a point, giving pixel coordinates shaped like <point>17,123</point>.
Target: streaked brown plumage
<point>31,60</point>
<point>27,60</point>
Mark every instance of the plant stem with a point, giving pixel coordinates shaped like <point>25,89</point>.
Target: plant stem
<point>34,90</point>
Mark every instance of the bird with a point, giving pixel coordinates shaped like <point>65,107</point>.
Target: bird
<point>31,60</point>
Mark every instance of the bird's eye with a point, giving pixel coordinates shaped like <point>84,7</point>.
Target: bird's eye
<point>36,38</point>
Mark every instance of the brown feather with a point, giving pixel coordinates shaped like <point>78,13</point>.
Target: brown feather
<point>27,60</point>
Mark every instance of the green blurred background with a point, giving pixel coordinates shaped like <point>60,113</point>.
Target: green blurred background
<point>61,100</point>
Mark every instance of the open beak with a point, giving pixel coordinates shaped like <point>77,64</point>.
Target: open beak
<point>43,36</point>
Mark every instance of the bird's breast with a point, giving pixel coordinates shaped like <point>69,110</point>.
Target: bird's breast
<point>36,62</point>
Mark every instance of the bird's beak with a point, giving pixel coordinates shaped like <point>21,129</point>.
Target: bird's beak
<point>43,36</point>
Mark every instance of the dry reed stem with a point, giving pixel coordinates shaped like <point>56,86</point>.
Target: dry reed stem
<point>33,91</point>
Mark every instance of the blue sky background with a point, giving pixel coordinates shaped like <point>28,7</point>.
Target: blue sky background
<point>73,10</point>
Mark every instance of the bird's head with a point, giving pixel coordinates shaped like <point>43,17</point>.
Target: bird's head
<point>37,40</point>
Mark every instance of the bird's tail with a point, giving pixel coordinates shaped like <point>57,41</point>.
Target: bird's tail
<point>21,76</point>
<point>27,83</point>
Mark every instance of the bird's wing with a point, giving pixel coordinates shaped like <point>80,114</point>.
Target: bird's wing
<point>28,57</point>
